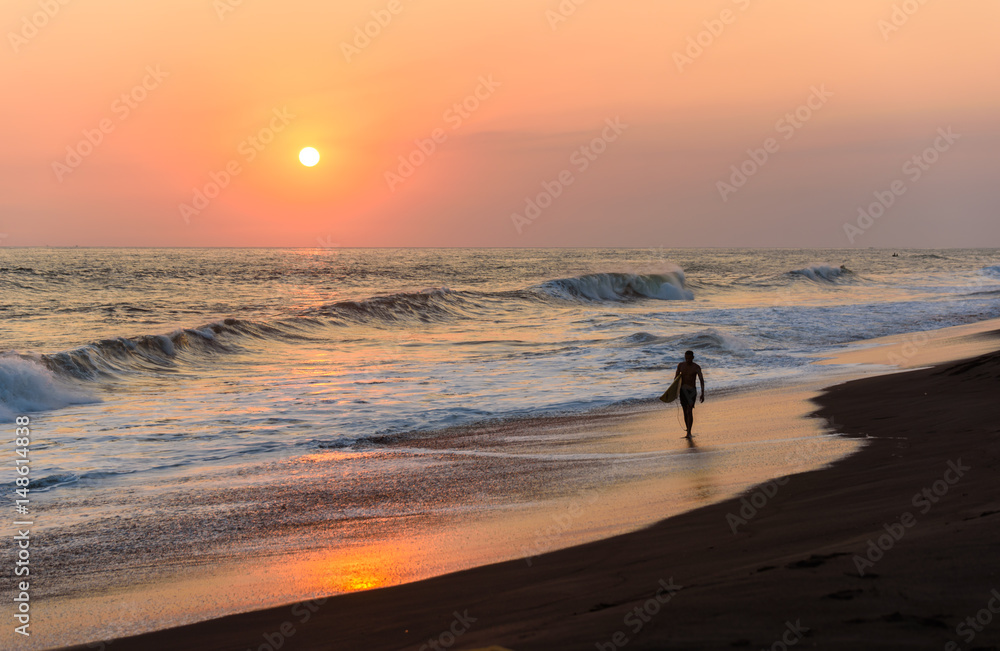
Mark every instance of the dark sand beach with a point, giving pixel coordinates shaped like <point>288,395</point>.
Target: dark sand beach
<point>805,570</point>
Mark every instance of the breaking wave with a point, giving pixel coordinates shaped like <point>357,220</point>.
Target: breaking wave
<point>427,305</point>
<point>669,286</point>
<point>822,273</point>
<point>50,381</point>
<point>715,340</point>
<point>158,353</point>
<point>27,386</point>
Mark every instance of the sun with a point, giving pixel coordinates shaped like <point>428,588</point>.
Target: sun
<point>309,156</point>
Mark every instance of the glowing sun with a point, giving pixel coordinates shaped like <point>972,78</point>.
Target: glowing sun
<point>309,156</point>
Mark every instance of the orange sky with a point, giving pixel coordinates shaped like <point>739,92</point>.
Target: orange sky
<point>547,85</point>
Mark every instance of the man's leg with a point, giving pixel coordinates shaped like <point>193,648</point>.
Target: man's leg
<point>688,412</point>
<point>688,397</point>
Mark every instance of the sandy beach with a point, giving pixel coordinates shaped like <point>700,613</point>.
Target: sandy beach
<point>889,548</point>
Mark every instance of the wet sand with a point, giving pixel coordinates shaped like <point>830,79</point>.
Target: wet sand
<point>461,498</point>
<point>890,548</point>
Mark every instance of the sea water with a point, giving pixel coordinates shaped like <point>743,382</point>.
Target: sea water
<point>169,358</point>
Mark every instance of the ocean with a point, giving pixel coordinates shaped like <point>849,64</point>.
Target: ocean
<point>181,358</point>
<point>212,384</point>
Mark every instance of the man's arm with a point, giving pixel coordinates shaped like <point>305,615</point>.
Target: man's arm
<point>678,370</point>
<point>702,378</point>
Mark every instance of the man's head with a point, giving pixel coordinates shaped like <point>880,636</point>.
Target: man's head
<point>689,356</point>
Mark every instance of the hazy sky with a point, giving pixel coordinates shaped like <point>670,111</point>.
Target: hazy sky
<point>626,123</point>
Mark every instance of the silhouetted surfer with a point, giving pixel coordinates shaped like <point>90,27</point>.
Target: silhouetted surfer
<point>689,371</point>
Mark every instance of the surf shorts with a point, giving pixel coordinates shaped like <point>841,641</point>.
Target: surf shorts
<point>688,396</point>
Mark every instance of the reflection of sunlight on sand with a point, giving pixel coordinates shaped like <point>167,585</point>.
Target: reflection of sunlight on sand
<point>354,569</point>
<point>699,472</point>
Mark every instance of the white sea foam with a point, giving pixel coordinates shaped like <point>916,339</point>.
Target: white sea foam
<point>27,386</point>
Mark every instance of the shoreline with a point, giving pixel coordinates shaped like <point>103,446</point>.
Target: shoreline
<point>783,564</point>
<point>589,477</point>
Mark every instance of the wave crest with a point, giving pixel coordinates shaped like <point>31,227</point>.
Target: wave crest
<point>715,340</point>
<point>822,273</point>
<point>425,305</point>
<point>156,353</point>
<point>617,287</point>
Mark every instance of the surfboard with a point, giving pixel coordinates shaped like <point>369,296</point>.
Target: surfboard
<point>671,393</point>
